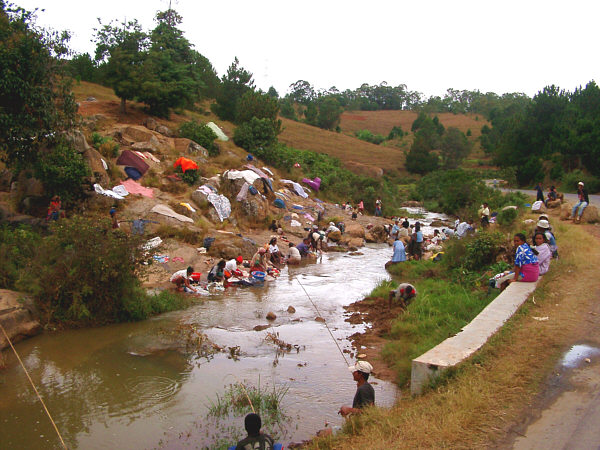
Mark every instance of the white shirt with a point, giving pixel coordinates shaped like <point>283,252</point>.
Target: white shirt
<point>179,273</point>
<point>273,249</point>
<point>462,229</point>
<point>294,253</point>
<point>231,265</point>
<point>332,229</point>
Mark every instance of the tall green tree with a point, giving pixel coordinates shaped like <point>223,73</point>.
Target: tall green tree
<point>234,84</point>
<point>330,112</point>
<point>420,159</point>
<point>172,75</point>
<point>36,104</point>
<point>121,53</point>
<point>455,148</point>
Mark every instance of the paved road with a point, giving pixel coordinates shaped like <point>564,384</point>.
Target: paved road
<point>594,198</point>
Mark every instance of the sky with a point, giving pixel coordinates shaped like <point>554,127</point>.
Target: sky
<point>430,46</point>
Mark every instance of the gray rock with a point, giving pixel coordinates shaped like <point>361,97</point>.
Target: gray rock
<point>18,317</point>
<point>166,131</point>
<point>150,123</point>
<point>77,140</point>
<point>196,149</point>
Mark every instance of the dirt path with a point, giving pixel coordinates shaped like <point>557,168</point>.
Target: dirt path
<point>566,413</point>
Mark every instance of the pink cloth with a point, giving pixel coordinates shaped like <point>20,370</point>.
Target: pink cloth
<point>530,272</point>
<point>133,187</point>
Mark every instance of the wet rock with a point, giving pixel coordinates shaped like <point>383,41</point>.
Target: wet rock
<point>356,242</point>
<point>271,315</point>
<point>18,317</point>
<point>230,246</point>
<point>437,224</point>
<point>412,204</point>
<point>291,309</point>
<point>355,230</point>
<point>376,234</point>
<point>319,319</point>
<point>261,327</point>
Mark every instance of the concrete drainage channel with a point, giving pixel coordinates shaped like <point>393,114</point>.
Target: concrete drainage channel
<point>471,338</point>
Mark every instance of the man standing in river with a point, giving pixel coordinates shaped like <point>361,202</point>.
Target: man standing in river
<point>365,394</point>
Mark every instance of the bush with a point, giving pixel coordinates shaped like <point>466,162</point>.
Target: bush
<point>396,132</point>
<point>482,250</point>
<point>105,145</point>
<point>85,273</point>
<point>17,247</point>
<point>366,135</point>
<point>255,134</point>
<point>62,169</point>
<point>570,180</point>
<point>506,217</point>
<point>201,134</point>
<point>190,176</point>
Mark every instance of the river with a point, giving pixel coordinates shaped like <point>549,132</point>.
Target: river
<point>125,386</point>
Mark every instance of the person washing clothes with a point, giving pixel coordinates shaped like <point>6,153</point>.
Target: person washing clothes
<point>182,278</point>
<point>365,394</point>
<point>403,294</point>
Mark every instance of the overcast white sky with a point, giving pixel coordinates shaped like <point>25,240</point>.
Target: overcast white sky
<point>500,46</point>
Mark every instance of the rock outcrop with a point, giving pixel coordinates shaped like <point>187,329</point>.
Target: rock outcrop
<point>377,234</point>
<point>229,247</point>
<point>590,213</point>
<point>18,317</point>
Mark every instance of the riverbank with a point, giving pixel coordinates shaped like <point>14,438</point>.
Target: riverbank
<point>478,404</point>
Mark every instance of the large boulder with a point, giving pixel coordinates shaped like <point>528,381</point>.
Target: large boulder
<point>552,204</point>
<point>150,123</point>
<point>137,133</point>
<point>77,140</point>
<point>355,230</point>
<point>151,145</point>
<point>93,159</point>
<point>18,317</point>
<point>164,130</point>
<point>6,177</point>
<point>231,246</point>
<point>187,146</point>
<point>590,213</point>
<point>377,234</point>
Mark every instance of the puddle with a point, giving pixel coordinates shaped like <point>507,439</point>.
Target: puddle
<point>575,356</point>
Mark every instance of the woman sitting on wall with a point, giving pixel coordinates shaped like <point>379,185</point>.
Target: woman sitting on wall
<point>526,263</point>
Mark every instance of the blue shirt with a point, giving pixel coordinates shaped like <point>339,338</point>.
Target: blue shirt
<point>419,236</point>
<point>302,248</point>
<point>399,252</point>
<point>524,256</point>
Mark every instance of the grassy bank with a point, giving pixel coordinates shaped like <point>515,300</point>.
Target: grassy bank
<point>477,403</point>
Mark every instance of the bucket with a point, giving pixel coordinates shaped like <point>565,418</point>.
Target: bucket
<point>196,276</point>
<point>258,275</point>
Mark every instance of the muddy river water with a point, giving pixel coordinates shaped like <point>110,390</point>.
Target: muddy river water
<point>120,386</point>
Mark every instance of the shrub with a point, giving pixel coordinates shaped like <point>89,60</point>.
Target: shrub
<point>105,145</point>
<point>85,273</point>
<point>190,176</point>
<point>201,134</point>
<point>570,180</point>
<point>366,135</point>
<point>482,249</point>
<point>506,217</point>
<point>396,132</point>
<point>61,169</point>
<point>256,133</point>
<point>17,247</point>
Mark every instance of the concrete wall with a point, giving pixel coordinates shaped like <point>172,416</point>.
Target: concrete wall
<point>471,338</point>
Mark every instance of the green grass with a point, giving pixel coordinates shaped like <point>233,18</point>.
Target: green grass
<point>442,307</point>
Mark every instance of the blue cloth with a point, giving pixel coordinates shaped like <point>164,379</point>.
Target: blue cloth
<point>279,203</point>
<point>133,173</point>
<point>399,252</point>
<point>302,248</point>
<point>395,230</point>
<point>419,236</point>
<point>524,256</point>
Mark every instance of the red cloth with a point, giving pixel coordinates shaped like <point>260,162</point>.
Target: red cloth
<point>186,164</point>
<point>128,158</point>
<point>133,187</point>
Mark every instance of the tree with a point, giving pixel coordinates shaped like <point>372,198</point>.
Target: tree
<point>455,148</point>
<point>234,84</point>
<point>121,52</point>
<point>420,159</point>
<point>256,133</point>
<point>172,75</point>
<point>256,104</point>
<point>83,68</point>
<point>302,92</point>
<point>272,92</point>
<point>36,104</point>
<point>330,112</point>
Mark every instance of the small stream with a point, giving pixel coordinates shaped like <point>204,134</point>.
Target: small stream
<point>122,386</point>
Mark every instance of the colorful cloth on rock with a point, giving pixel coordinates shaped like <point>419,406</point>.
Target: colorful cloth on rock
<point>221,204</point>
